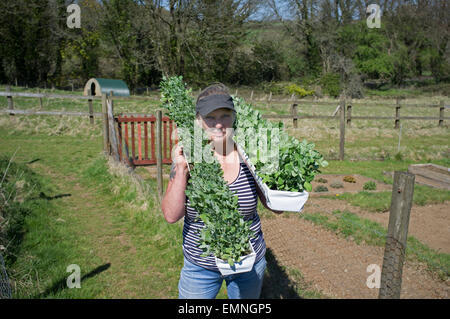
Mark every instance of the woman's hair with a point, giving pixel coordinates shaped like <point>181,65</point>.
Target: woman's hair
<point>215,88</point>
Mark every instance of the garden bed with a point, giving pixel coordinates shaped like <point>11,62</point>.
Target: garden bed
<point>336,180</point>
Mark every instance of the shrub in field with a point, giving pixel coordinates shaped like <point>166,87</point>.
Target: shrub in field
<point>349,179</point>
<point>330,84</point>
<point>398,156</point>
<point>322,180</point>
<point>286,88</point>
<point>298,90</point>
<point>370,186</point>
<point>321,188</point>
<point>337,185</point>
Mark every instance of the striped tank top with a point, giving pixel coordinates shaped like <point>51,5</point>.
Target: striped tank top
<point>244,187</point>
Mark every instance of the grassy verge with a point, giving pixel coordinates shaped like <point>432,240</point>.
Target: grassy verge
<point>22,196</point>
<point>347,224</point>
<point>44,245</point>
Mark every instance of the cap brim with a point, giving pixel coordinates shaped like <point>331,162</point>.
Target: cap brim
<point>212,108</point>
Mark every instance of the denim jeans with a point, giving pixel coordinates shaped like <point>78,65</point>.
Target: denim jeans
<point>200,283</point>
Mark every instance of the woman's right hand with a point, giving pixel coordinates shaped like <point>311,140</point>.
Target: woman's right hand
<point>179,159</point>
<point>173,202</point>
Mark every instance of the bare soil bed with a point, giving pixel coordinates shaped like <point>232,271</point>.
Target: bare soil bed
<point>347,187</point>
<point>338,267</point>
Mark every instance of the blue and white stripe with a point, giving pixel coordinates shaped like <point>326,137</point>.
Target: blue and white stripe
<point>245,188</point>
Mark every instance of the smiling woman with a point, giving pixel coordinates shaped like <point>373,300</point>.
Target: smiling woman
<point>218,201</point>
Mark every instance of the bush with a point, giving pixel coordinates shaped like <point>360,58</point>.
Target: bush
<point>337,185</point>
<point>297,90</point>
<point>370,186</point>
<point>321,188</point>
<point>398,156</point>
<point>285,88</point>
<point>349,179</point>
<point>330,83</point>
<point>322,180</point>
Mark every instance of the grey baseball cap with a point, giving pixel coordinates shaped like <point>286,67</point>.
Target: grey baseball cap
<point>213,102</point>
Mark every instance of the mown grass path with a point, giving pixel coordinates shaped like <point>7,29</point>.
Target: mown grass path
<point>88,229</point>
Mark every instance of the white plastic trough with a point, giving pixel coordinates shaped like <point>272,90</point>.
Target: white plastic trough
<point>275,199</point>
<point>245,264</point>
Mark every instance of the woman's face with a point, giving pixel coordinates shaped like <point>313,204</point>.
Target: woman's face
<point>218,124</point>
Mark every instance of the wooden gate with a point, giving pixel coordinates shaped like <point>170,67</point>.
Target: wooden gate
<point>137,136</point>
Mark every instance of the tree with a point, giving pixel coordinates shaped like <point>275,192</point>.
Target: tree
<point>32,35</point>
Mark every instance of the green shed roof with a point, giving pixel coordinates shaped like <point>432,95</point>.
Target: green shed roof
<point>98,86</point>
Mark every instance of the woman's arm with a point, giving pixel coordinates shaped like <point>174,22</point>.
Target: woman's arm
<point>173,203</point>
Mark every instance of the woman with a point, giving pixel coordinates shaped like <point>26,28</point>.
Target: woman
<point>200,277</point>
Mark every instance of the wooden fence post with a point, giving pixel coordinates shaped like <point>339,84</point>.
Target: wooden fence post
<point>105,125</point>
<point>40,100</point>
<point>91,108</point>
<point>342,130</point>
<point>251,97</point>
<point>397,113</point>
<point>395,249</point>
<point>441,113</point>
<point>111,128</point>
<point>294,115</point>
<point>159,153</point>
<point>349,115</point>
<point>10,100</point>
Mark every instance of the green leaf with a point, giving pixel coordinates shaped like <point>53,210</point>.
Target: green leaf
<point>308,186</point>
